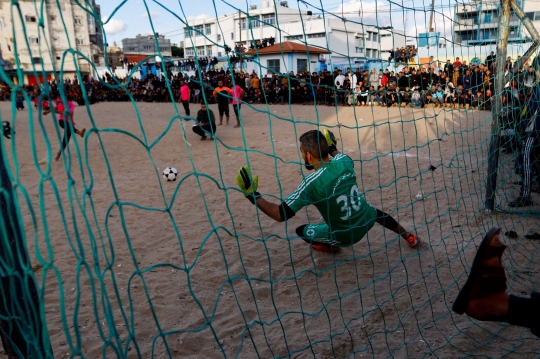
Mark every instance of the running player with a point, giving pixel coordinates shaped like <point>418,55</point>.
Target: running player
<point>221,93</point>
<point>333,190</point>
<point>64,123</point>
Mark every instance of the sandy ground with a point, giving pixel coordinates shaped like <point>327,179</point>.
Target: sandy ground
<point>115,240</point>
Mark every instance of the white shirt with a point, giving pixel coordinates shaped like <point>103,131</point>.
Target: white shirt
<point>340,79</point>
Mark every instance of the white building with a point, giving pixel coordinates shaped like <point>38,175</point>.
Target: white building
<point>477,22</point>
<point>287,56</point>
<point>346,41</point>
<point>43,48</point>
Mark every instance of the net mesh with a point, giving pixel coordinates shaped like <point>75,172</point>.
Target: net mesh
<point>127,264</point>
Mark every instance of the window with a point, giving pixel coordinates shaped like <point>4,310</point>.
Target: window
<point>273,66</point>
<point>218,37</point>
<point>209,50</point>
<point>198,30</point>
<point>368,53</point>
<point>33,40</point>
<point>254,20</point>
<point>52,18</point>
<point>232,35</point>
<point>359,50</point>
<point>91,20</point>
<point>147,47</point>
<point>36,60</point>
<point>79,41</point>
<point>58,58</point>
<point>200,50</point>
<point>187,32</point>
<point>189,52</point>
<point>208,29</point>
<point>77,21</point>
<point>301,65</point>
<point>312,36</point>
<point>368,37</point>
<point>359,42</point>
<point>295,37</point>
<point>243,24</point>
<point>219,54</point>
<point>30,18</point>
<point>386,35</point>
<point>269,19</point>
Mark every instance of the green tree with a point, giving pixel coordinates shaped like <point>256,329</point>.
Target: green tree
<point>177,51</point>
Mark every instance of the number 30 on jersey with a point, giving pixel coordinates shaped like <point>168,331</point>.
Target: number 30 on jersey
<point>349,203</point>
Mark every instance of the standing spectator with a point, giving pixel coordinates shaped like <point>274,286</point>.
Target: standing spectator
<point>256,82</point>
<point>185,95</point>
<point>530,131</point>
<point>373,79</point>
<point>340,79</point>
<point>490,60</point>
<point>467,80</point>
<point>448,68</point>
<point>456,80</point>
<point>220,93</point>
<point>237,94</point>
<point>457,63</point>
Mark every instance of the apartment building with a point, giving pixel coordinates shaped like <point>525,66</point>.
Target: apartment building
<point>66,26</point>
<point>346,41</point>
<point>477,22</point>
<point>147,45</point>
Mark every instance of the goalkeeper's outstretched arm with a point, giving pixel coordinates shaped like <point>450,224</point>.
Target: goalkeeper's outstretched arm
<point>248,185</point>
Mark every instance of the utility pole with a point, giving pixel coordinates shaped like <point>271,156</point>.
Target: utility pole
<point>240,44</point>
<point>431,29</point>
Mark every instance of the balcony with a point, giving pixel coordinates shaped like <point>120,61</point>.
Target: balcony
<point>467,22</point>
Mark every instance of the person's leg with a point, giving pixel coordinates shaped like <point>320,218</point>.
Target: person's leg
<point>236,109</point>
<point>221,112</point>
<point>227,113</point>
<point>524,198</point>
<point>387,221</point>
<point>186,107</point>
<point>67,136</point>
<point>199,131</point>
<point>318,236</point>
<point>484,296</point>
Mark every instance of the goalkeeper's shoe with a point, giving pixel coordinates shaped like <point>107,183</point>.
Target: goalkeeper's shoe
<point>412,240</point>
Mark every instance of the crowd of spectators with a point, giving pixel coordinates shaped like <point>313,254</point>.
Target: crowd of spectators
<point>456,84</point>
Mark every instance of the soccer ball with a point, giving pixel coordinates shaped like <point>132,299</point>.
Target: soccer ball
<point>170,174</point>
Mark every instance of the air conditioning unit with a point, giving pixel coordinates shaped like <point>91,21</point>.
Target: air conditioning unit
<point>284,4</point>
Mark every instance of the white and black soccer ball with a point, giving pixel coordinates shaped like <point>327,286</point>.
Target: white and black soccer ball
<point>170,174</point>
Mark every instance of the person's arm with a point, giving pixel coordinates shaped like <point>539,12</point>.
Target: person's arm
<point>270,209</point>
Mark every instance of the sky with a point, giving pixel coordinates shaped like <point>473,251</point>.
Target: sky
<point>166,16</point>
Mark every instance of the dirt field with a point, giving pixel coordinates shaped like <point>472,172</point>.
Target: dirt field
<point>190,269</point>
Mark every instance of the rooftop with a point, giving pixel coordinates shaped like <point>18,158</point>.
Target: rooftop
<point>286,47</point>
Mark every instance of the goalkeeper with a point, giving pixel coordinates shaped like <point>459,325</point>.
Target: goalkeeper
<point>332,188</point>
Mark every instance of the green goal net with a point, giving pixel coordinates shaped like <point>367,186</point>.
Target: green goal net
<point>102,256</point>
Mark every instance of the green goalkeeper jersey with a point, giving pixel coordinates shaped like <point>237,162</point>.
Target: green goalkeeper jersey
<point>334,191</point>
